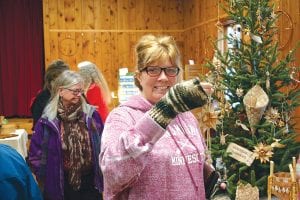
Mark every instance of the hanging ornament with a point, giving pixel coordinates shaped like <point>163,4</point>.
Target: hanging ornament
<point>272,115</point>
<point>246,36</point>
<point>294,74</point>
<point>276,144</point>
<point>208,118</point>
<point>239,123</point>
<point>223,138</point>
<point>255,101</point>
<point>263,152</point>
<point>219,25</point>
<point>245,11</point>
<point>225,108</point>
<point>281,123</point>
<point>246,192</point>
<point>259,17</point>
<point>268,80</point>
<point>216,62</point>
<point>256,38</point>
<point>239,92</point>
<point>273,15</point>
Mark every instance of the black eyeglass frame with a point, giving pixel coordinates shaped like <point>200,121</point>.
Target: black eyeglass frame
<point>161,69</point>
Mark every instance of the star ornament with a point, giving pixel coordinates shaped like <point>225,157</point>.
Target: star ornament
<point>263,152</point>
<point>208,118</point>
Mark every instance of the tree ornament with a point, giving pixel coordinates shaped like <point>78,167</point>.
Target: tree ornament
<point>216,62</point>
<point>263,152</point>
<point>245,11</point>
<point>268,80</point>
<point>273,15</point>
<point>272,115</point>
<point>276,144</point>
<point>208,118</point>
<point>246,192</point>
<point>294,75</point>
<point>223,138</point>
<point>256,38</point>
<point>246,36</point>
<point>239,123</point>
<point>255,101</point>
<point>239,92</point>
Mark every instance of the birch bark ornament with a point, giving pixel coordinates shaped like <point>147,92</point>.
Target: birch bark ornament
<point>255,101</point>
<point>246,192</point>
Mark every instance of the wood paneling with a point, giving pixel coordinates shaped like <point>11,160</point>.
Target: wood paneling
<point>105,31</point>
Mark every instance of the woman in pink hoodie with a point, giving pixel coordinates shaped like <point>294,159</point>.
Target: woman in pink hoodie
<point>152,147</point>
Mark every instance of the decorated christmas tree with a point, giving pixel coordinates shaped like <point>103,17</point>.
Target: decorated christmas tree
<point>254,103</point>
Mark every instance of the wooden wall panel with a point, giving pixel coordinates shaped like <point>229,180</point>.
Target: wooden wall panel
<point>105,31</point>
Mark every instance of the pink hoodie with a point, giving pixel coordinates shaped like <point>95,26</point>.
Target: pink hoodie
<point>141,160</point>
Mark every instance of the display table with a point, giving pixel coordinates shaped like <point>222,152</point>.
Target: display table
<point>19,142</point>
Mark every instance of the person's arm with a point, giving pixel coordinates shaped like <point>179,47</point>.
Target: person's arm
<point>38,105</point>
<point>126,143</point>
<point>124,148</point>
<point>95,97</point>
<point>35,149</point>
<point>17,181</point>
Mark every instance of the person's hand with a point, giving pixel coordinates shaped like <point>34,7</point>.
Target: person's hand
<point>180,98</point>
<point>207,87</point>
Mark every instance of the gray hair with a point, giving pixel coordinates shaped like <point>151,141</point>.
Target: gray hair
<point>66,80</point>
<point>91,74</point>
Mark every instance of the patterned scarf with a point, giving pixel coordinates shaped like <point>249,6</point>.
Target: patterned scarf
<point>77,154</point>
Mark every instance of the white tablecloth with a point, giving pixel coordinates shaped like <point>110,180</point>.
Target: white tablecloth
<point>19,142</point>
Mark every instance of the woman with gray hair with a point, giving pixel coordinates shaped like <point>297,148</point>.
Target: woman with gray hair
<point>96,88</point>
<point>64,148</point>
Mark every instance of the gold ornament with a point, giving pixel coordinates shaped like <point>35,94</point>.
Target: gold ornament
<point>263,152</point>
<point>272,115</point>
<point>246,37</point>
<point>239,92</point>
<point>208,118</point>
<point>223,138</point>
<point>281,123</point>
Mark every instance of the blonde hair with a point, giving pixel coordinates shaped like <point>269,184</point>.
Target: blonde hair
<point>91,74</point>
<point>66,79</point>
<point>152,48</point>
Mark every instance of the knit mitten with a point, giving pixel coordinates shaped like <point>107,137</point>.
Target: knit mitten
<point>180,98</point>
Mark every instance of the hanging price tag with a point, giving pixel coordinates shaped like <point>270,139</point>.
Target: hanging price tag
<point>240,154</point>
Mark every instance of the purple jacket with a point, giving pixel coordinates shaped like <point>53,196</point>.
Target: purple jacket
<point>141,160</point>
<point>46,160</point>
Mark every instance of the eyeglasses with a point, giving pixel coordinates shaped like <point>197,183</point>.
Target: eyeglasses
<point>156,71</point>
<point>75,92</point>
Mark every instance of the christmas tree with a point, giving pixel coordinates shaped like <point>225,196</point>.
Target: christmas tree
<point>253,102</point>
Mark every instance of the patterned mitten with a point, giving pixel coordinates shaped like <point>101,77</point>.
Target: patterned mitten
<point>180,98</point>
